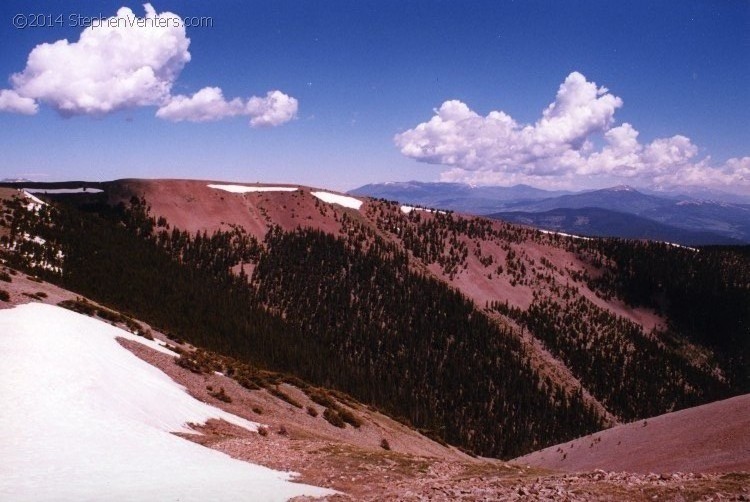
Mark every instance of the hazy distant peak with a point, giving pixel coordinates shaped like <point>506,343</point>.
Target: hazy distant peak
<point>621,188</point>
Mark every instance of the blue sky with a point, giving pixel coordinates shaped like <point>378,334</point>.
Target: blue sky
<point>364,72</point>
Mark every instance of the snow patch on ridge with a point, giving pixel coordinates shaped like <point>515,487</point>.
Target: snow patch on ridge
<point>53,191</point>
<point>35,204</point>
<point>563,234</point>
<point>246,189</point>
<point>341,200</point>
<point>409,209</point>
<point>85,419</point>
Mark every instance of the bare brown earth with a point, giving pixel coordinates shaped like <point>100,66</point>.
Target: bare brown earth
<point>711,438</point>
<point>191,205</point>
<point>25,288</point>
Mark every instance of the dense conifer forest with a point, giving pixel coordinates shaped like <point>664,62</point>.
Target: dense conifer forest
<point>358,312</point>
<point>355,320</point>
<point>631,373</point>
<point>705,293</point>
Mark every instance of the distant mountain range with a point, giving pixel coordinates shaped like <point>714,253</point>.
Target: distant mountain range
<point>597,222</point>
<point>455,196</point>
<point>620,211</point>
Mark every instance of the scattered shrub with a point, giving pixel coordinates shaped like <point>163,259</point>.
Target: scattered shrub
<point>312,411</point>
<point>221,395</point>
<point>190,363</point>
<point>349,417</point>
<point>293,380</point>
<point>334,418</point>
<point>283,431</point>
<point>319,396</point>
<point>247,382</point>
<point>275,391</point>
<point>257,411</point>
<point>385,445</point>
<point>80,305</point>
<point>5,276</point>
<point>263,431</point>
<point>146,333</point>
<point>4,296</point>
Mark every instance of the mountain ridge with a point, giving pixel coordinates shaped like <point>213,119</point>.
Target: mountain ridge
<point>501,269</point>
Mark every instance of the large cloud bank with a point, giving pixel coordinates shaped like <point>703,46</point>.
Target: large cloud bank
<point>130,63</point>
<point>558,149</point>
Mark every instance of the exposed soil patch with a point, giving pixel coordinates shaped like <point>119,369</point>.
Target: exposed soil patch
<point>709,438</point>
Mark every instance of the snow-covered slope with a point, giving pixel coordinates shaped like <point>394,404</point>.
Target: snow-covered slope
<point>84,419</point>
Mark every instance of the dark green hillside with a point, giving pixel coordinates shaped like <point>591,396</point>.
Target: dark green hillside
<point>348,316</point>
<point>412,345</point>
<point>705,294</point>
<point>631,373</point>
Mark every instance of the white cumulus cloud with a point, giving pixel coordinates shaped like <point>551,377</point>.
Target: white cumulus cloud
<point>272,110</point>
<point>558,150</point>
<point>209,104</point>
<point>115,65</point>
<point>206,105</point>
<point>125,62</point>
<point>11,101</point>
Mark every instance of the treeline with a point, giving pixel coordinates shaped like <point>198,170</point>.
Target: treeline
<point>113,256</point>
<point>413,346</point>
<point>632,374</point>
<point>354,318</point>
<point>705,294</point>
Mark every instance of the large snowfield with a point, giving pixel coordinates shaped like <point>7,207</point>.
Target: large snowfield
<point>84,419</point>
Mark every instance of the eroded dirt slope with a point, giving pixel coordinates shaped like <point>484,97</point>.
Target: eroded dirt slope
<point>711,438</point>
